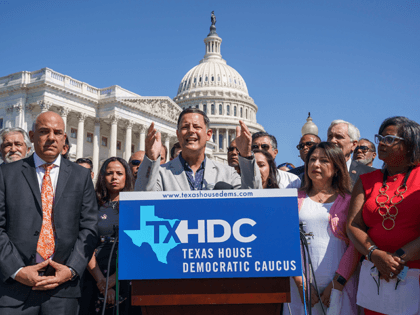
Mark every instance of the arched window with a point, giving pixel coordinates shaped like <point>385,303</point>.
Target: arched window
<point>234,112</point>
<point>207,78</point>
<point>241,110</point>
<point>212,78</point>
<point>205,108</point>
<point>220,109</point>
<point>218,78</point>
<point>199,80</point>
<point>246,113</point>
<point>220,142</point>
<point>212,109</point>
<point>228,110</point>
<point>196,106</point>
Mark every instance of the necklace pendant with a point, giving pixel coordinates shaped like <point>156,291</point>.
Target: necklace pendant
<point>387,219</point>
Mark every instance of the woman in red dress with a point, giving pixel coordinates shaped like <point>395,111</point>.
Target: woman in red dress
<point>384,222</point>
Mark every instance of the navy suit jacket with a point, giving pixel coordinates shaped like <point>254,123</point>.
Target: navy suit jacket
<point>75,214</point>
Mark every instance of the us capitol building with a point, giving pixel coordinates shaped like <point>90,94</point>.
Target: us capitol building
<point>112,121</point>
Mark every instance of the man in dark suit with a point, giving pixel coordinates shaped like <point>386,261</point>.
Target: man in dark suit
<point>48,226</point>
<point>346,136</point>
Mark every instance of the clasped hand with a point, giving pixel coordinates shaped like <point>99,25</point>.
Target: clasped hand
<point>30,275</point>
<point>387,264</point>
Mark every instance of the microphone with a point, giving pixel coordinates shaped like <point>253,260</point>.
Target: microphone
<point>222,186</point>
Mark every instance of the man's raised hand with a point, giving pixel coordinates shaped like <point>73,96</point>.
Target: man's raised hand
<point>153,143</point>
<point>243,139</point>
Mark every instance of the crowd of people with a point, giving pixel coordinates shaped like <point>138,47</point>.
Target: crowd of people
<point>56,227</point>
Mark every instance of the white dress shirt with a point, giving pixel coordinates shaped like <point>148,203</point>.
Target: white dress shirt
<point>348,163</point>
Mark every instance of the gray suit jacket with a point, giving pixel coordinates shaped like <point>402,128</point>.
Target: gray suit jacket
<point>357,169</point>
<point>171,176</point>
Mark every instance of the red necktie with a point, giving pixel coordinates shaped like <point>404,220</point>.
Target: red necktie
<point>46,242</point>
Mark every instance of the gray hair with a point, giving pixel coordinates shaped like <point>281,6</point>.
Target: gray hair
<point>6,131</point>
<point>260,134</point>
<point>352,130</point>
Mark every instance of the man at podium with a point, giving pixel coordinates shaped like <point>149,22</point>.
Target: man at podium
<point>192,170</point>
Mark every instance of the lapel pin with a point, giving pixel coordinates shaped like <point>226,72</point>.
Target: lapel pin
<point>353,171</point>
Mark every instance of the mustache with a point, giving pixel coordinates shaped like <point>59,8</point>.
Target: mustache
<point>8,155</point>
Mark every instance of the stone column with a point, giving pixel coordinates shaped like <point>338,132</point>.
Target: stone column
<point>64,113</point>
<point>80,135</point>
<point>18,108</point>
<point>225,140</point>
<point>9,117</point>
<point>96,139</point>
<point>45,106</point>
<point>128,136</point>
<point>28,117</point>
<point>113,142</point>
<point>142,137</point>
<point>217,139</point>
<point>166,140</point>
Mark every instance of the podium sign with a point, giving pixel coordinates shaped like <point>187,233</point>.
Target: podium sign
<point>209,234</point>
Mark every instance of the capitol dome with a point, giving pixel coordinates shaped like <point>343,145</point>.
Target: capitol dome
<point>219,91</point>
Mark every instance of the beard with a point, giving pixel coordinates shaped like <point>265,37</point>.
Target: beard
<point>366,161</point>
<point>13,156</point>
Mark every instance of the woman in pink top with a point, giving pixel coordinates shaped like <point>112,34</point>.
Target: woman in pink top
<point>323,205</point>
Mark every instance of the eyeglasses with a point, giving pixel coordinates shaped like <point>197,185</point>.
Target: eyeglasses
<point>309,144</point>
<point>230,149</point>
<point>387,140</point>
<point>263,146</point>
<point>135,162</point>
<point>363,148</point>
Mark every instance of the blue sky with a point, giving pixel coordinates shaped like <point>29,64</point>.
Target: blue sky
<point>353,60</point>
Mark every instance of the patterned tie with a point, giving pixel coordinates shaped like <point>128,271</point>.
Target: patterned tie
<point>46,242</point>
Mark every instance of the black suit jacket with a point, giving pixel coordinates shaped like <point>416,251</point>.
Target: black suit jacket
<point>357,169</point>
<point>75,214</point>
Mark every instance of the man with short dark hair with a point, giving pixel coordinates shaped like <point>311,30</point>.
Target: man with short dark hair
<point>345,135</point>
<point>233,156</point>
<point>14,144</point>
<point>305,143</point>
<point>365,152</point>
<point>86,163</point>
<point>176,149</point>
<point>135,161</point>
<point>266,142</point>
<point>48,226</point>
<point>192,170</point>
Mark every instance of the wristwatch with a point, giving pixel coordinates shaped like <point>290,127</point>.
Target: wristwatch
<point>340,279</point>
<point>249,157</point>
<point>400,252</point>
<point>73,274</point>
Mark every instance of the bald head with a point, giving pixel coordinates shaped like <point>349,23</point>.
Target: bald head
<point>48,136</point>
<point>135,161</point>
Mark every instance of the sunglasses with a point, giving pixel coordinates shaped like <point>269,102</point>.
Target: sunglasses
<point>387,140</point>
<point>363,148</point>
<point>231,149</point>
<point>264,147</point>
<point>135,162</point>
<point>308,144</point>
